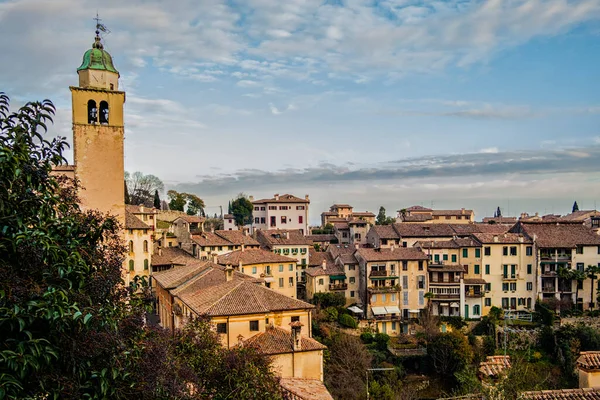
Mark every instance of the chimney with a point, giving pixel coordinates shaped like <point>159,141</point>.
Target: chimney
<point>215,258</point>
<point>462,210</point>
<point>393,247</point>
<point>324,265</point>
<point>306,197</point>
<point>243,247</point>
<point>296,338</point>
<point>496,238</point>
<point>160,251</point>
<point>357,246</point>
<point>141,208</point>
<point>240,265</point>
<point>276,196</point>
<point>229,272</point>
<point>251,198</point>
<point>212,229</point>
<point>287,235</point>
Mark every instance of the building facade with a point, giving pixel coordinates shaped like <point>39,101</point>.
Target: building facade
<point>281,212</point>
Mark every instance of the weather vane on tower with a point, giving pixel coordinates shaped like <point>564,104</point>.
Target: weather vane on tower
<point>100,27</point>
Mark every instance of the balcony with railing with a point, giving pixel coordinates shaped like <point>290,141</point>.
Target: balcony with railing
<point>338,286</point>
<point>509,277</point>
<point>382,273</point>
<point>474,291</point>
<point>433,280</point>
<point>384,289</point>
<point>445,293</point>
<point>556,256</point>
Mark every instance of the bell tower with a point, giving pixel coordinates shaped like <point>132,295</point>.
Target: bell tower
<point>98,132</point>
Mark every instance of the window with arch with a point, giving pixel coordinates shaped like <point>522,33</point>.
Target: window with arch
<point>476,309</point>
<point>145,264</point>
<point>131,265</point>
<point>104,113</point>
<point>131,246</point>
<point>92,112</point>
<point>145,246</point>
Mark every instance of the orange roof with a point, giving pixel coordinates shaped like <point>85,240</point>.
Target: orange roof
<point>589,360</point>
<point>276,340</point>
<point>133,222</point>
<point>563,394</point>
<point>305,389</point>
<point>253,256</point>
<point>401,253</point>
<point>285,198</point>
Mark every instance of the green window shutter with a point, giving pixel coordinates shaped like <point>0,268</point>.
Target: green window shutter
<point>453,258</point>
<point>131,265</point>
<point>477,253</point>
<point>476,269</point>
<point>487,269</point>
<point>465,253</point>
<point>445,257</point>
<point>145,265</point>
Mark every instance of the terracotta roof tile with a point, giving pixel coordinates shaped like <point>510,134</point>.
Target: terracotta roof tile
<point>494,366</point>
<point>445,267</point>
<point>321,238</point>
<point>341,225</point>
<point>140,209</point>
<point>169,215</point>
<point>174,277</point>
<point>284,198</point>
<point>192,219</point>
<point>316,265</point>
<point>558,235</point>
<point>133,222</point>
<point>423,230</point>
<point>500,220</point>
<point>210,239</point>
<point>385,231</point>
<point>580,215</point>
<point>171,255</point>
<point>305,389</point>
<point>253,256</point>
<point>416,218</point>
<point>237,237</point>
<point>589,360</point>
<point>562,394</point>
<point>417,208</point>
<point>401,253</point>
<point>279,341</point>
<point>284,237</point>
<point>506,238</point>
<point>474,281</point>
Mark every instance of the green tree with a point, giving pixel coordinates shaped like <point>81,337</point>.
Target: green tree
<point>345,370</point>
<point>450,352</point>
<point>575,207</point>
<point>382,218</point>
<point>195,205</point>
<point>579,277</point>
<point>177,200</point>
<point>592,273</point>
<point>565,276</point>
<point>498,213</point>
<point>329,299</point>
<point>156,200</point>
<point>127,198</point>
<point>142,187</point>
<point>242,208</point>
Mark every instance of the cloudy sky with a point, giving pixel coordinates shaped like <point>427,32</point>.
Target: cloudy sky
<point>458,103</point>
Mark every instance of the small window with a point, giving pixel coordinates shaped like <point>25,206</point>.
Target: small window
<point>222,327</point>
<point>291,281</point>
<point>254,270</point>
<point>404,265</point>
<point>579,250</point>
<point>513,250</point>
<point>92,112</point>
<point>321,281</point>
<point>465,253</point>
<point>453,258</point>
<point>254,326</point>
<point>131,265</point>
<point>280,282</point>
<point>296,319</point>
<point>529,285</point>
<point>488,302</point>
<point>131,246</point>
<point>291,267</point>
<point>352,293</point>
<point>487,251</point>
<point>529,251</point>
<point>513,286</point>
<point>445,257</point>
<point>488,287</point>
<point>529,268</point>
<point>487,269</point>
<point>477,255</point>
<point>145,246</point>
<point>104,113</point>
<point>421,265</point>
<point>505,286</point>
<point>352,279</point>
<point>145,264</point>
<point>505,251</point>
<point>476,269</point>
<point>281,268</point>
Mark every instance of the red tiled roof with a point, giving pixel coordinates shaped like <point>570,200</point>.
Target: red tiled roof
<point>237,237</point>
<point>559,235</point>
<point>253,256</point>
<point>331,267</point>
<point>140,209</point>
<point>446,267</point>
<point>401,253</point>
<point>171,256</point>
<point>321,238</point>
<point>210,239</point>
<point>424,230</point>
<point>133,222</point>
<point>589,360</point>
<point>279,341</point>
<point>500,220</point>
<point>417,208</point>
<point>305,389</point>
<point>416,218</point>
<point>475,281</point>
<point>385,231</point>
<point>494,366</point>
<point>172,278</point>
<point>285,198</point>
<point>562,394</point>
<point>273,237</point>
<point>506,238</point>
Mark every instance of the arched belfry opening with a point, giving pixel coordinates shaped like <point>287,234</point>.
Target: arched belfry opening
<point>104,113</point>
<point>92,112</point>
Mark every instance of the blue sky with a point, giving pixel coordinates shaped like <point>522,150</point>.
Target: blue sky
<point>462,103</point>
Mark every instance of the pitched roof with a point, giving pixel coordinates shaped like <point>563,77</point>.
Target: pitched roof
<point>416,218</point>
<point>284,198</point>
<point>192,219</point>
<point>141,209</point>
<point>171,256</point>
<point>133,222</point>
<point>316,264</point>
<point>589,360</point>
<point>452,212</point>
<point>305,389</point>
<point>505,238</point>
<point>562,394</point>
<point>237,237</point>
<point>385,231</point>
<point>211,294</point>
<point>169,215</point>
<point>466,229</point>
<point>437,244</point>
<point>282,237</point>
<point>559,235</point>
<point>253,256</point>
<point>445,268</point>
<point>321,237</point>
<point>210,239</point>
<point>401,253</point>
<point>494,366</point>
<point>500,220</point>
<point>362,214</point>
<point>580,215</point>
<point>172,278</point>
<point>341,206</point>
<point>424,230</point>
<point>417,208</point>
<point>275,340</point>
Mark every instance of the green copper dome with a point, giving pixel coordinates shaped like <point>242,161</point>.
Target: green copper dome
<point>97,58</point>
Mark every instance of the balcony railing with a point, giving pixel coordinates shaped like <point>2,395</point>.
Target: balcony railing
<point>509,277</point>
<point>444,281</point>
<point>555,257</point>
<point>379,273</point>
<point>474,293</point>
<point>548,289</point>
<point>384,289</point>
<point>338,286</point>
<point>549,273</point>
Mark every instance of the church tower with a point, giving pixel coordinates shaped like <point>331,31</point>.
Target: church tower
<point>98,132</point>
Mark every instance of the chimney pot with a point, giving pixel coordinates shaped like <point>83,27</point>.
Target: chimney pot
<point>324,264</point>
<point>215,258</point>
<point>287,235</point>
<point>306,197</point>
<point>251,198</point>
<point>495,238</point>
<point>229,272</point>
<point>276,196</point>
<point>296,335</point>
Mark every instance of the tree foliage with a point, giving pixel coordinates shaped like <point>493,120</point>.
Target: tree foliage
<point>242,208</point>
<point>69,328</point>
<point>346,367</point>
<point>329,299</point>
<point>383,219</point>
<point>141,188</point>
<point>156,202</point>
<point>190,203</point>
<point>450,352</point>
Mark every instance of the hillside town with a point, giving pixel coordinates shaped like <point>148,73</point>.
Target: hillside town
<point>266,279</point>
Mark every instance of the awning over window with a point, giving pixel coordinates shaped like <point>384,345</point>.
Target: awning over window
<point>454,305</point>
<point>393,310</point>
<point>355,309</point>
<point>379,310</point>
<point>414,311</point>
<point>269,279</point>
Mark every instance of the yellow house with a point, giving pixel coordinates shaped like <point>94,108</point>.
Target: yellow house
<point>393,286</point>
<point>420,214</point>
<point>588,367</point>
<point>508,268</point>
<point>289,243</point>
<point>278,272</point>
<point>243,313</point>
<point>138,239</point>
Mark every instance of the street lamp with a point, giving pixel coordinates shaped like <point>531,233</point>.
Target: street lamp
<point>375,369</point>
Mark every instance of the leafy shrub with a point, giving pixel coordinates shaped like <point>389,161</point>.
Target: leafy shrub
<point>366,337</point>
<point>331,314</point>
<point>347,321</point>
<point>381,339</point>
<point>325,300</point>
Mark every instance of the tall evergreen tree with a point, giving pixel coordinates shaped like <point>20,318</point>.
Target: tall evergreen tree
<point>229,208</point>
<point>156,200</point>
<point>575,207</point>
<point>498,213</point>
<point>127,199</point>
